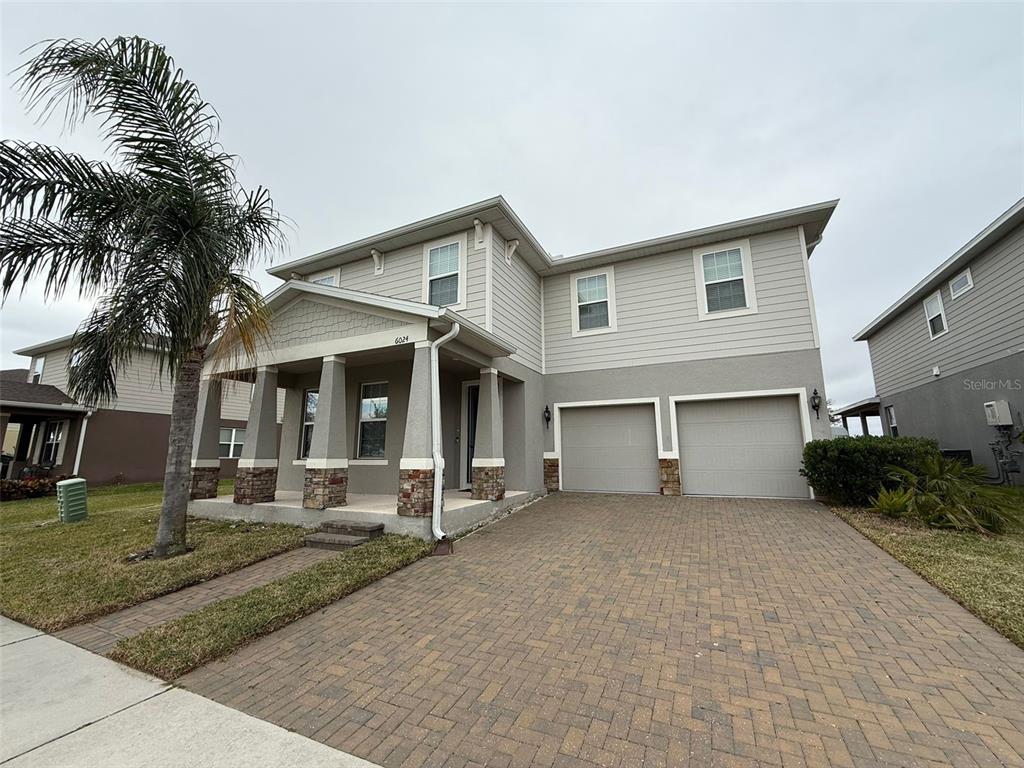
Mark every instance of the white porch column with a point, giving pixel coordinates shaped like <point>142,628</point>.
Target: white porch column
<point>256,479</point>
<point>489,454</point>
<point>326,478</point>
<point>206,441</point>
<point>416,469</point>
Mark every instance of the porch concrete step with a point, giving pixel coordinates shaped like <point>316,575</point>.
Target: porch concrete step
<point>353,528</point>
<point>335,541</point>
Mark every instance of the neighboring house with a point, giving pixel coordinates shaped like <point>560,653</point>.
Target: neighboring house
<point>686,363</point>
<point>955,342</point>
<point>124,441</point>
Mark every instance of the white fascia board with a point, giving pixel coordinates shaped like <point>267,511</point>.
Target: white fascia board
<point>71,407</point>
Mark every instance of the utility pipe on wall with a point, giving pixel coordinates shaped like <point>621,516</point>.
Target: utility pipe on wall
<point>435,431</point>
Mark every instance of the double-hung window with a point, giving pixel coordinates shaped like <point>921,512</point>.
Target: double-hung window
<point>51,442</point>
<point>373,419</point>
<point>890,419</point>
<point>444,272</point>
<point>961,284</point>
<point>936,315</point>
<point>593,302</point>
<point>231,441</point>
<point>309,400</point>
<point>725,285</point>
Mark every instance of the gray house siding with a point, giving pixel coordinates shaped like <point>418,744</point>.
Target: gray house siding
<point>985,324</point>
<point>951,408</point>
<point>656,307</point>
<point>516,313</point>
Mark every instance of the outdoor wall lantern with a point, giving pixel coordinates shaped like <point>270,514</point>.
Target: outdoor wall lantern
<point>816,403</point>
<point>547,417</point>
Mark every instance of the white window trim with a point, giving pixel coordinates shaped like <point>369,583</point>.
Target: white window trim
<point>942,311</point>
<point>613,321</point>
<point>334,274</point>
<point>461,240</point>
<point>361,421</point>
<point>233,442</point>
<point>970,283</point>
<point>748,280</point>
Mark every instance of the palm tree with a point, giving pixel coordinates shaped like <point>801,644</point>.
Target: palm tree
<point>162,236</point>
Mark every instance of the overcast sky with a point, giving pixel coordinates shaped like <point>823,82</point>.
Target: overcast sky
<point>600,125</point>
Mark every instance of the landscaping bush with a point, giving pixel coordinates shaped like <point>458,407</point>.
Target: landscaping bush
<point>30,488</point>
<point>850,470</point>
<point>893,503</point>
<point>946,493</point>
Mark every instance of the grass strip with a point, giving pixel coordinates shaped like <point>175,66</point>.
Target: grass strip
<point>985,574</point>
<point>183,644</point>
<point>54,575</point>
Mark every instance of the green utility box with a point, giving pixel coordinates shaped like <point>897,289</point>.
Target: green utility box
<point>71,502</point>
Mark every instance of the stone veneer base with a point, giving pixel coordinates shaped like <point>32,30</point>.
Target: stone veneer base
<point>670,482</point>
<point>551,475</point>
<point>415,492</point>
<point>489,483</point>
<point>204,482</point>
<point>322,488</point>
<point>254,485</point>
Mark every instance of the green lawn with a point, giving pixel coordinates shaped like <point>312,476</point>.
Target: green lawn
<point>54,575</point>
<point>180,645</point>
<point>985,574</point>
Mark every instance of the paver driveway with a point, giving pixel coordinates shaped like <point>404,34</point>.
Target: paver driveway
<point>625,630</point>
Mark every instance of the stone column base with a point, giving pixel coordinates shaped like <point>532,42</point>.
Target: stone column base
<point>551,475</point>
<point>670,482</point>
<point>324,488</point>
<point>415,492</point>
<point>489,483</point>
<point>255,484</point>
<point>204,482</point>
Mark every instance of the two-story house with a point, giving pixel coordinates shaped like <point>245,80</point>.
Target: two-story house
<point>955,342</point>
<point>457,345</point>
<point>44,428</point>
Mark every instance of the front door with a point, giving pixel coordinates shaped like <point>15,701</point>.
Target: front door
<point>470,403</point>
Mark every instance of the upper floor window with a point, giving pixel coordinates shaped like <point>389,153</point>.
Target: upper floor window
<point>231,441</point>
<point>961,284</point>
<point>725,284</point>
<point>326,280</point>
<point>36,374</point>
<point>593,302</point>
<point>309,401</point>
<point>373,419</point>
<point>444,272</point>
<point>935,315</point>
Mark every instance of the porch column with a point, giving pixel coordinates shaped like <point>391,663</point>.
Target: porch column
<point>845,425</point>
<point>206,441</point>
<point>326,479</point>
<point>416,469</point>
<point>488,452</point>
<point>256,479</point>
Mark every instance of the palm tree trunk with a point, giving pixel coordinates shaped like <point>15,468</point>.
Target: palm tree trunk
<point>170,534</point>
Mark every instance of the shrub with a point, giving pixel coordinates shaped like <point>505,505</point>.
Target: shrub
<point>892,502</point>
<point>946,493</point>
<point>29,488</point>
<point>850,470</point>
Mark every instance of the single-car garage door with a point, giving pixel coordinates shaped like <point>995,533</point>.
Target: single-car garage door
<point>748,447</point>
<point>610,448</point>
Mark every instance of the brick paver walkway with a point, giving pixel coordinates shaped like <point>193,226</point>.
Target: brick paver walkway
<point>101,635</point>
<point>627,631</point>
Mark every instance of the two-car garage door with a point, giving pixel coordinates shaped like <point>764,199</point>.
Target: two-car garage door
<point>730,447</point>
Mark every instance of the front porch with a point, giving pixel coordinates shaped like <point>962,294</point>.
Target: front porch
<point>363,398</point>
<point>461,511</point>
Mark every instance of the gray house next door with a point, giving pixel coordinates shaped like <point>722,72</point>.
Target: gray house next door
<point>610,448</point>
<point>743,447</point>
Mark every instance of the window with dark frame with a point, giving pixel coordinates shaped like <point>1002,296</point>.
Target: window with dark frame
<point>309,401</point>
<point>51,442</point>
<point>373,419</point>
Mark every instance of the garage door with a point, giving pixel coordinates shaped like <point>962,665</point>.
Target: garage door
<point>749,447</point>
<point>610,448</point>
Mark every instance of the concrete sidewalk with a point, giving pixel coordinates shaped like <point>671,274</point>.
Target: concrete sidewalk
<point>63,706</point>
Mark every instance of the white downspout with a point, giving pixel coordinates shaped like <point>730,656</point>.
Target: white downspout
<point>435,431</point>
<point>81,442</point>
